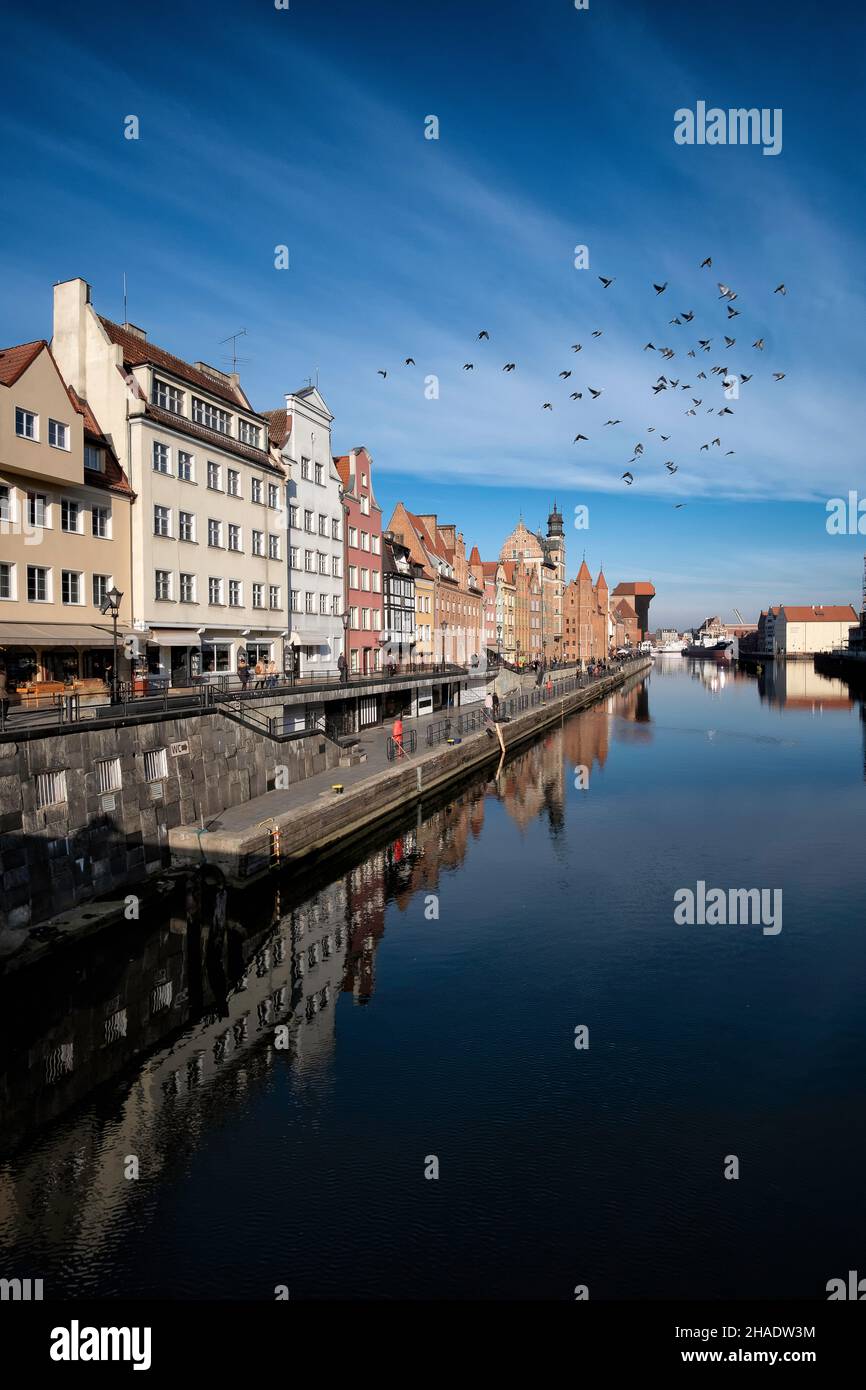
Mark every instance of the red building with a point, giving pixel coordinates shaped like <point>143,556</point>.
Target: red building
<point>363,566</point>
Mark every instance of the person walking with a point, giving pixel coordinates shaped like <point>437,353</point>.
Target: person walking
<point>343,668</point>
<point>272,674</point>
<point>243,671</point>
<point>488,714</point>
<point>397,736</point>
<point>260,674</point>
<point>549,687</point>
<point>495,708</point>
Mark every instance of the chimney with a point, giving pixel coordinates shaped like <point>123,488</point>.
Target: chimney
<point>136,332</point>
<point>69,332</point>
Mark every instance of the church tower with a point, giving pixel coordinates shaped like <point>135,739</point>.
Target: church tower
<point>556,554</point>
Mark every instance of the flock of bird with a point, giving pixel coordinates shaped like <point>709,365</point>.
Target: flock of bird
<point>729,381</point>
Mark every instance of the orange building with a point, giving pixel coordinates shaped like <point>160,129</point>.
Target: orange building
<point>586,618</point>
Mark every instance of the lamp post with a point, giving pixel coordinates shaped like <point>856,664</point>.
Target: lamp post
<point>499,641</point>
<point>111,605</point>
<point>345,618</point>
<point>444,632</point>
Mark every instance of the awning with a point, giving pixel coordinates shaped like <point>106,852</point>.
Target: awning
<point>174,637</point>
<point>309,639</point>
<point>56,635</point>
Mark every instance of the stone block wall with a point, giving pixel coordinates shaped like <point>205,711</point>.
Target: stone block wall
<point>55,857</point>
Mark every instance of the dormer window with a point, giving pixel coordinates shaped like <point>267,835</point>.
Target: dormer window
<point>94,458</point>
<point>203,413</point>
<point>249,434</point>
<point>167,397</point>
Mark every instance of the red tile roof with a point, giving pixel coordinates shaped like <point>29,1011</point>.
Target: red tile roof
<point>113,478</point>
<point>15,360</point>
<point>474,557</point>
<point>489,567</point>
<point>831,613</point>
<point>279,426</point>
<point>137,351</point>
<point>641,587</point>
<point>583,572</point>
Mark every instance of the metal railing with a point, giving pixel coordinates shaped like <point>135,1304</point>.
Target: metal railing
<point>406,745</point>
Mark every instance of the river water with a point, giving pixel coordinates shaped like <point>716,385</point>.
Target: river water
<point>428,989</point>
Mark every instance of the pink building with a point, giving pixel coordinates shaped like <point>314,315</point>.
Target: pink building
<point>363,561</point>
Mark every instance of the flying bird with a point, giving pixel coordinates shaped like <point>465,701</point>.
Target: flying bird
<point>638,450</point>
<point>689,316</point>
<point>778,376</point>
<point>565,375</point>
<point>780,289</point>
<point>718,443</point>
<point>747,378</point>
<point>665,437</point>
<point>729,342</point>
<point>607,283</point>
<point>725,292</point>
<point>677,505</point>
<point>732,312</point>
<point>705,446</point>
<point>629,478</point>
<point>649,347</point>
<point>690,353</point>
<point>660,386</point>
<point>595,394</point>
<point>509,366</point>
<point>577,395</point>
<point>668,353</point>
<point>679,321</point>
<point>597,332</point>
<point>547,406</point>
<point>469,366</point>
<point>727,411</point>
<point>704,343</point>
<point>671,466</point>
<point>613,422</point>
<point>482,335</point>
<point>578,437</point>
<point>728,454</point>
<point>660,289</point>
<point>708,261</point>
<point>381,373</point>
<point>409,362</point>
<point>576,347</point>
<point>759,344</point>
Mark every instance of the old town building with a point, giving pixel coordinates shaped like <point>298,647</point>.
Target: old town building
<point>546,554</point>
<point>64,532</point>
<point>398,600</point>
<point>209,523</point>
<point>586,617</point>
<point>363,561</point>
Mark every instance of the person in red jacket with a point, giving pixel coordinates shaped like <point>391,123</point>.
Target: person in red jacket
<point>397,735</point>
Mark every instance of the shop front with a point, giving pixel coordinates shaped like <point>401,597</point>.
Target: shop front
<point>43,660</point>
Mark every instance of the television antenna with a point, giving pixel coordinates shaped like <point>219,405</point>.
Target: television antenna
<point>233,339</point>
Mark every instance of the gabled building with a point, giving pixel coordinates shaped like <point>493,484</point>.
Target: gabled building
<point>398,599</point>
<point>363,561</point>
<point>209,523</point>
<point>300,438</point>
<point>65,507</point>
<point>586,617</point>
<point>801,631</point>
<point>546,555</point>
<point>638,595</point>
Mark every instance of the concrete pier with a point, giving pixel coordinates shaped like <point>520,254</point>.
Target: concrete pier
<point>310,819</point>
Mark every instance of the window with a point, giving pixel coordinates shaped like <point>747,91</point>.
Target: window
<point>365,618</point>
<point>274,595</point>
<point>50,789</point>
<point>363,480</point>
<point>249,434</point>
<point>294,516</point>
<point>353,576</point>
<point>323,563</point>
<point>37,509</point>
<point>210,416</point>
<point>213,476</point>
<point>235,593</point>
<point>7,586</point>
<point>365,579</point>
<point>273,547</point>
<point>308,521</point>
<point>294,557</point>
<point>273,495</point>
<point>375,545</point>
<point>162,584</point>
<point>323,526</point>
<point>161,521</point>
<point>336,567</point>
<point>58,435</point>
<point>353,618</point>
<point>186,526</point>
<point>353,660</point>
<point>365,541</point>
<point>255,490</point>
<point>375,581</point>
<point>310,561</point>
<point>70,516</point>
<point>305,469</point>
<point>108,778</point>
<point>100,522</point>
<point>185,465</point>
<point>364,503</point>
<point>233,482</point>
<point>295,601</point>
<point>160,457</point>
<point>311,602</point>
<point>258,596</point>
<point>323,604</point>
<point>353,538</point>
<point>335,605</point>
<point>234,536</point>
<point>214,532</point>
<point>37,584</point>
<point>70,586</point>
<point>155,765</point>
<point>5,503</point>
<point>187,588</point>
<point>335,530</point>
<point>258,542</point>
<point>167,397</point>
<point>100,584</point>
<point>320,474</point>
<point>26,424</point>
<point>215,591</point>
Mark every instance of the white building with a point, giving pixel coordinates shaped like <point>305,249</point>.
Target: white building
<point>301,443</point>
<point>209,564</point>
<point>819,628</point>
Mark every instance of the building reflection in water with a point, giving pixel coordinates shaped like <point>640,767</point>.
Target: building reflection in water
<point>165,1025</point>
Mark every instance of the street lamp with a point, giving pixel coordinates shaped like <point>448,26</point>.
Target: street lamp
<point>499,641</point>
<point>111,605</point>
<point>345,618</point>
<point>444,631</point>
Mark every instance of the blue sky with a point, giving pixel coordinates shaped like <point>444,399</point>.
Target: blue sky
<point>261,127</point>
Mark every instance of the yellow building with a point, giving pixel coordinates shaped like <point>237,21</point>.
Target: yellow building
<point>65,530</point>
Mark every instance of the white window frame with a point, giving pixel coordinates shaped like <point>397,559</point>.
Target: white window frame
<point>62,439</point>
<point>22,415</point>
<point>72,602</point>
<point>46,570</point>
